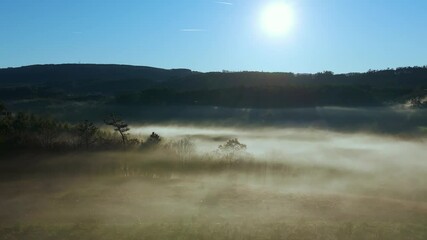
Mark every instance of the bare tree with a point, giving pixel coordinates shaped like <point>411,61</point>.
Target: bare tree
<point>87,133</point>
<point>183,148</point>
<point>119,126</point>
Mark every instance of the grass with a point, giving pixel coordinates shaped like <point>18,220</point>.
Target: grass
<point>309,231</point>
<point>134,195</point>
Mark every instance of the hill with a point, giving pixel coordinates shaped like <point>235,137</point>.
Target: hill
<point>141,85</point>
<point>86,78</point>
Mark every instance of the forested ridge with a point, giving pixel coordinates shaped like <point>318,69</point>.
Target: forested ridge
<point>125,84</point>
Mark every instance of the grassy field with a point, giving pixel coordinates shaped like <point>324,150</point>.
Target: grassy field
<point>158,195</point>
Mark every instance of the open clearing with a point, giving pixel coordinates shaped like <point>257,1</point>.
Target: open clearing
<point>334,186</point>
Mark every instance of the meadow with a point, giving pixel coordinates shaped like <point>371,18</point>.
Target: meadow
<point>288,183</point>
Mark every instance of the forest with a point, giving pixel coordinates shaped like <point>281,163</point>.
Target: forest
<point>123,84</point>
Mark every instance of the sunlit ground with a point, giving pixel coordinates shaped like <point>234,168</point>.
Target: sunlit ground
<point>298,184</point>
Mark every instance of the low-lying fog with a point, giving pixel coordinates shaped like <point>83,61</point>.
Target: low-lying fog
<point>300,144</point>
<point>384,156</point>
<point>294,174</point>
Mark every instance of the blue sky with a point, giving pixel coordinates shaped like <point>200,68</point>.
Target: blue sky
<point>205,35</point>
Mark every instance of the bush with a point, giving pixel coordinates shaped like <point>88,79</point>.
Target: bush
<point>183,148</point>
<point>232,151</point>
<point>87,133</point>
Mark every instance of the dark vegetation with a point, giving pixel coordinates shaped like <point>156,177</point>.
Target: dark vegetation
<point>271,97</point>
<point>151,86</point>
<point>84,78</point>
<point>379,100</point>
<point>26,132</point>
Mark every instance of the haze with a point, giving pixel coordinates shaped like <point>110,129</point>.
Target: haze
<point>206,119</point>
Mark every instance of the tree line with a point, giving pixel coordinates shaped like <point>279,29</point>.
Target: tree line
<point>274,97</point>
<point>29,131</point>
<point>92,83</point>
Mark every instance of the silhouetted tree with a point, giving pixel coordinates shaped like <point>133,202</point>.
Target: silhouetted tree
<point>232,150</point>
<point>119,126</point>
<point>232,145</point>
<point>87,133</point>
<point>154,139</point>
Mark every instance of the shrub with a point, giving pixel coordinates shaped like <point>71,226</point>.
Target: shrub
<point>183,148</point>
<point>232,151</point>
<point>87,132</point>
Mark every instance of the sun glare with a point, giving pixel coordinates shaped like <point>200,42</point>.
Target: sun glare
<point>277,19</point>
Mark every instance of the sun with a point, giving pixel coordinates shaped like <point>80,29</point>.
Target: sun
<point>277,19</point>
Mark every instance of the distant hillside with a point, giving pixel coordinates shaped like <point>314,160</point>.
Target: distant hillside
<point>409,77</point>
<point>154,86</point>
<point>81,78</point>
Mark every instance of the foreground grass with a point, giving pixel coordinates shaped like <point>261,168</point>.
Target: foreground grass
<point>129,195</point>
<point>339,231</point>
